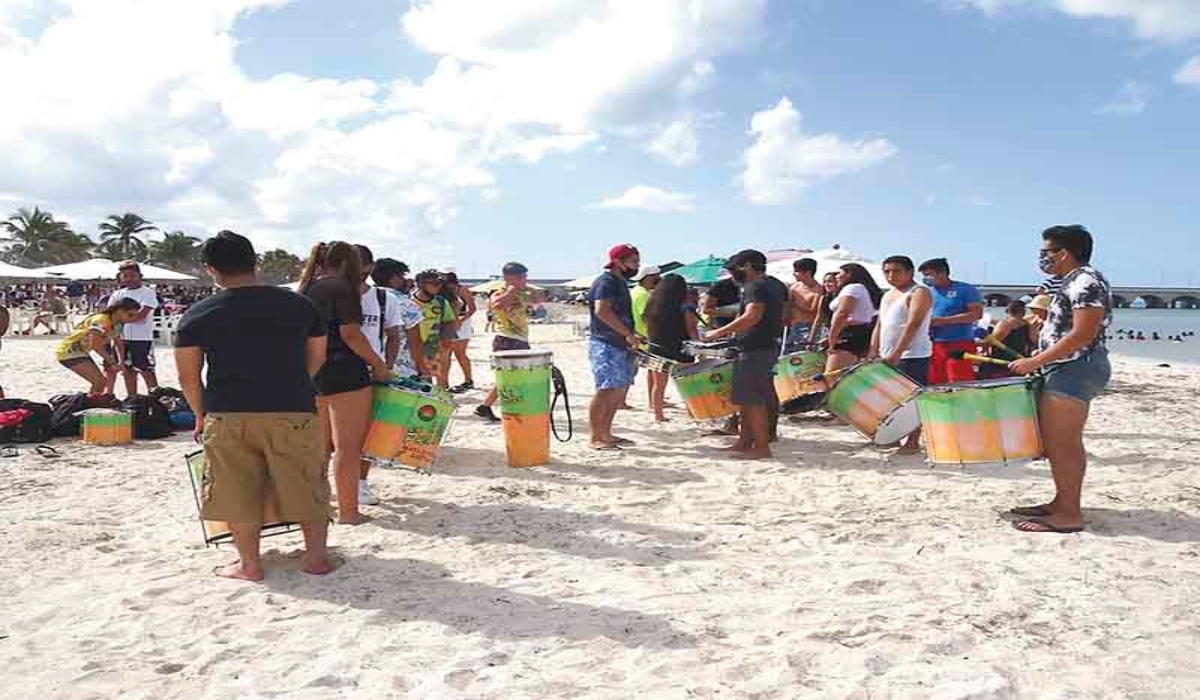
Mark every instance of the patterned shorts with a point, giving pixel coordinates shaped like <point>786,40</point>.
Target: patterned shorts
<point>612,367</point>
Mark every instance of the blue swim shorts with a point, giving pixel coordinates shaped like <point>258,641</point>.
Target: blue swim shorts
<point>612,367</point>
<point>1081,379</point>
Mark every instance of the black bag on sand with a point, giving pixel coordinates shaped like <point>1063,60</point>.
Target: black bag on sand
<point>65,421</point>
<point>173,399</point>
<point>151,420</point>
<point>35,427</point>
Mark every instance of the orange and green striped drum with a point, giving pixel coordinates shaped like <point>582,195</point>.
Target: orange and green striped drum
<point>407,427</point>
<point>523,394</point>
<point>794,375</point>
<point>984,422</point>
<point>218,531</point>
<point>877,400</point>
<point>707,389</point>
<point>103,426</point>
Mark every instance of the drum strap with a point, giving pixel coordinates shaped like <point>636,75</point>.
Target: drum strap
<point>560,390</point>
<point>381,296</point>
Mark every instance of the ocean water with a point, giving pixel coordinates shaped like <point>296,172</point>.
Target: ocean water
<point>1167,322</point>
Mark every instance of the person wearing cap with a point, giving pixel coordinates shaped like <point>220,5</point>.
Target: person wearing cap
<point>391,274</point>
<point>647,279</point>
<point>759,327</point>
<point>1038,309</point>
<point>611,344</point>
<point>510,308</point>
<point>136,347</point>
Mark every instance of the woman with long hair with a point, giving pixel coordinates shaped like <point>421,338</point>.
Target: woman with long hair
<point>96,334</point>
<point>820,328</point>
<point>854,313</point>
<point>331,281</point>
<point>670,320</point>
<point>463,302</point>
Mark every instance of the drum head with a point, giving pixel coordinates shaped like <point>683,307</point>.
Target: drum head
<point>803,404</point>
<point>898,424</point>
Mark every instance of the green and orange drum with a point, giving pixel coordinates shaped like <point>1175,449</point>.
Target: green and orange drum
<point>985,422</point>
<point>794,375</point>
<point>877,400</point>
<point>216,531</point>
<point>408,427</point>
<point>523,394</point>
<point>105,426</point>
<point>707,389</point>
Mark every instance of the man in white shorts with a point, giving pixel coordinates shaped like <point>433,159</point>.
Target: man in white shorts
<point>136,349</point>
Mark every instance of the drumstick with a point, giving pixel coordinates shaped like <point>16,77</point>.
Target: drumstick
<point>826,376</point>
<point>999,345</point>
<point>979,359</point>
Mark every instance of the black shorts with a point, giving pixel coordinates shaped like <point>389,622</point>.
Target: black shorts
<point>753,378</point>
<point>342,377</point>
<point>856,340</point>
<point>139,355</point>
<point>76,361</point>
<point>504,344</point>
<point>916,369</point>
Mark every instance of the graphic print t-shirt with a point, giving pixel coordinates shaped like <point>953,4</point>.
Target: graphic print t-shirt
<point>1084,288</point>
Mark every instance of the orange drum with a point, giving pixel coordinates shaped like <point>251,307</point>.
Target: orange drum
<point>984,422</point>
<point>105,426</point>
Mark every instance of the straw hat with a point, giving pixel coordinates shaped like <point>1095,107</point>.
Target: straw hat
<point>1040,303</point>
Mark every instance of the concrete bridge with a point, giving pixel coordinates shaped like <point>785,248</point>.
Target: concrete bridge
<point>1123,297</point>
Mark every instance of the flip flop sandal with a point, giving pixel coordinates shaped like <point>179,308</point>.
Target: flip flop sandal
<point>47,452</point>
<point>606,448</point>
<point>8,452</point>
<point>623,441</point>
<point>1045,527</point>
<point>1030,511</point>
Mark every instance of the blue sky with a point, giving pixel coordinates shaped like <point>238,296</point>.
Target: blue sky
<point>464,133</point>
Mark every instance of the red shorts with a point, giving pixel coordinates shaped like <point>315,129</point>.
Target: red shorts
<point>945,370</point>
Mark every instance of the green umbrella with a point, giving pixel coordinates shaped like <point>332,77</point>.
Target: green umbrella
<point>706,271</point>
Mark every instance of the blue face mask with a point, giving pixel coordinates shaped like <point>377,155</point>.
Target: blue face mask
<point>928,281</point>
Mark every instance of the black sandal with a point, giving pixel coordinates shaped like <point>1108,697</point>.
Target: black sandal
<point>47,452</point>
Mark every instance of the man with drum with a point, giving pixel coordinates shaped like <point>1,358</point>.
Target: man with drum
<point>510,308</point>
<point>901,336</point>
<point>1073,355</point>
<point>759,328</point>
<point>256,411</point>
<point>957,307</point>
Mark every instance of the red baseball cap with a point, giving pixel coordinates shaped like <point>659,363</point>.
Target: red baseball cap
<point>620,251</point>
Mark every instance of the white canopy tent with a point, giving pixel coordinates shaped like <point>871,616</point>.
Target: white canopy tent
<point>102,269</point>
<point>828,260</point>
<point>20,274</point>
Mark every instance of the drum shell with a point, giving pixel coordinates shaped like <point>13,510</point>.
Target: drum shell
<point>794,375</point>
<point>107,427</point>
<point>407,427</point>
<point>988,422</point>
<point>523,380</point>
<point>877,400</point>
<point>218,531</point>
<point>707,389</point>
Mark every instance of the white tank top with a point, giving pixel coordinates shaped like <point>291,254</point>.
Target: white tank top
<point>892,319</point>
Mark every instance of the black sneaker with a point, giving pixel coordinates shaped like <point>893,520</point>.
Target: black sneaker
<point>486,412</point>
<point>464,387</point>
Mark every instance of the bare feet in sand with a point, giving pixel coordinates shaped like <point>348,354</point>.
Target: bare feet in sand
<point>738,448</point>
<point>319,567</point>
<point>238,572</point>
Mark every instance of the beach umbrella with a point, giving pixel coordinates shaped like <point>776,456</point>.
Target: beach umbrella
<point>103,269</point>
<point>584,282</point>
<point>706,271</point>
<point>19,274</point>
<point>828,260</point>
<point>497,285</point>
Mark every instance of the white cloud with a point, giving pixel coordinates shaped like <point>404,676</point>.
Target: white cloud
<point>650,199</point>
<point>1160,20</point>
<point>1189,73</point>
<point>1130,101</point>
<point>577,65</point>
<point>677,143</point>
<point>783,160</point>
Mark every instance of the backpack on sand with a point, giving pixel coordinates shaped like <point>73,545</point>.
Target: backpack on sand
<point>151,420</point>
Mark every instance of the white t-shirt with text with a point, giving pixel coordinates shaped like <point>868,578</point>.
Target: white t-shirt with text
<point>372,314</point>
<point>144,329</point>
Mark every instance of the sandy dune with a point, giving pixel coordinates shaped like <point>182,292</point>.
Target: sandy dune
<point>660,572</point>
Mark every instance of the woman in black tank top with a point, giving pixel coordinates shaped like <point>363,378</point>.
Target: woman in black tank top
<point>669,322</point>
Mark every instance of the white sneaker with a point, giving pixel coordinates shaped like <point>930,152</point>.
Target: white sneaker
<point>366,496</point>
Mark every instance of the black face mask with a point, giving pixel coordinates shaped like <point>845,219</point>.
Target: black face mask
<point>739,275</point>
<point>630,272</point>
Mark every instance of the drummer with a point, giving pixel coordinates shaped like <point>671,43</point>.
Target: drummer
<point>901,336</point>
<point>510,306</point>
<point>1072,348</point>
<point>759,328</point>
<point>669,322</point>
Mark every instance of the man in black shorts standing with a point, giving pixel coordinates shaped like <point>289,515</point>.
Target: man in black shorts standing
<point>137,336</point>
<point>759,326</point>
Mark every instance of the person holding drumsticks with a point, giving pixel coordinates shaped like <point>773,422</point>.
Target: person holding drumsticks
<point>1074,355</point>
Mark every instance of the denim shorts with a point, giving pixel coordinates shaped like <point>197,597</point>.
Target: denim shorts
<point>612,367</point>
<point>1081,379</point>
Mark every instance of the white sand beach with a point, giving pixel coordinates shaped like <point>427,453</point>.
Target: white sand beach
<point>659,572</point>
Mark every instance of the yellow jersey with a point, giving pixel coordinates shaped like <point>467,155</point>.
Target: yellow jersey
<point>77,344</point>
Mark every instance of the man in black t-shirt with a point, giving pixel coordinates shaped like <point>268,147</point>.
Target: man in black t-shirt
<point>759,327</point>
<point>256,410</point>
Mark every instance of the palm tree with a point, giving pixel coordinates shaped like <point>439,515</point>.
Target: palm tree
<point>123,237</point>
<point>38,239</point>
<point>177,251</point>
<point>279,266</point>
